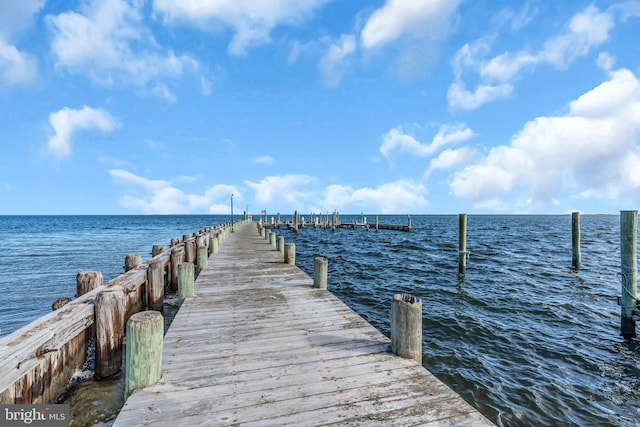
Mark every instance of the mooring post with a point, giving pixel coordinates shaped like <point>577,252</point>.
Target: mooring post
<point>406,327</point>
<point>575,240</point>
<point>290,253</point>
<point>185,280</point>
<point>87,281</point>
<point>409,222</point>
<point>320,270</point>
<point>143,361</point>
<point>281,245</point>
<point>628,272</point>
<point>272,239</point>
<point>110,308</point>
<point>462,255</point>
<point>155,287</point>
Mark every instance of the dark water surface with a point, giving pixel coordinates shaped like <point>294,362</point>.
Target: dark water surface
<point>522,337</point>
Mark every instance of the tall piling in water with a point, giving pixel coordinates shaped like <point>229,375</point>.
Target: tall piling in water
<point>628,272</point>
<point>575,240</point>
<point>462,254</point>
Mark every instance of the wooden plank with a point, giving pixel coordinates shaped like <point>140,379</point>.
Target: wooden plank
<point>258,345</point>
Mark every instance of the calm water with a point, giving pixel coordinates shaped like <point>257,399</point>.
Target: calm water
<point>522,337</point>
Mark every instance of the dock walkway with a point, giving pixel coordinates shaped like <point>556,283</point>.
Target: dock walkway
<point>259,346</point>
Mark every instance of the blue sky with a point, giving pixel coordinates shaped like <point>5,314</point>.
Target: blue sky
<point>387,106</point>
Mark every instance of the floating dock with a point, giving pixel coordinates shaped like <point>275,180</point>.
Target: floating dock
<point>258,345</point>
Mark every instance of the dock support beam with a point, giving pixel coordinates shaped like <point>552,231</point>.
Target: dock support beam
<point>144,350</point>
<point>575,240</point>
<point>406,327</point>
<point>628,272</point>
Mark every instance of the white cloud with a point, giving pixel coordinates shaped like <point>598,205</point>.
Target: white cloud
<point>332,64</point>
<point>264,160</point>
<point>450,158</point>
<point>290,190</point>
<point>397,140</point>
<point>400,196</point>
<point>593,150</point>
<point>15,67</point>
<point>252,21</point>
<point>399,17</point>
<point>16,15</point>
<point>67,121</point>
<point>586,30</point>
<point>108,42</point>
<point>156,196</point>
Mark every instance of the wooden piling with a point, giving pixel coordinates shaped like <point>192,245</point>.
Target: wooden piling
<point>189,249</point>
<point>376,223</point>
<point>462,254</point>
<point>131,261</point>
<point>272,239</point>
<point>87,281</point>
<point>201,254</point>
<point>628,272</point>
<point>110,307</point>
<point>143,361</point>
<point>406,327</point>
<point>177,255</point>
<point>575,240</point>
<point>290,253</point>
<point>186,279</point>
<point>281,244</point>
<point>320,270</point>
<point>155,285</point>
<point>157,250</point>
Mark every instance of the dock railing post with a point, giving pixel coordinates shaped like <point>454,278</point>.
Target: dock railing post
<point>110,308</point>
<point>143,361</point>
<point>406,327</point>
<point>290,253</point>
<point>155,287</point>
<point>87,281</point>
<point>320,270</point>
<point>177,254</point>
<point>628,272</point>
<point>462,254</point>
<point>201,253</point>
<point>131,261</point>
<point>157,250</point>
<point>185,281</point>
<point>575,240</point>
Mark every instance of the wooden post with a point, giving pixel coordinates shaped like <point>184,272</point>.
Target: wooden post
<point>177,254</point>
<point>143,362</point>
<point>87,281</point>
<point>376,223</point>
<point>155,286</point>
<point>281,245</point>
<point>628,272</point>
<point>185,280</point>
<point>131,261</point>
<point>575,240</point>
<point>215,242</point>
<point>295,222</point>
<point>290,253</point>
<point>409,222</point>
<point>462,255</point>
<point>201,253</point>
<point>157,250</point>
<point>110,307</point>
<point>189,250</point>
<point>320,267</point>
<point>406,327</point>
<point>272,239</point>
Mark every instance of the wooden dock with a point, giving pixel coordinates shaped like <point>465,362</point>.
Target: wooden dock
<point>258,345</point>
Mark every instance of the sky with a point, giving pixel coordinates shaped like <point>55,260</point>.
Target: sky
<point>373,106</point>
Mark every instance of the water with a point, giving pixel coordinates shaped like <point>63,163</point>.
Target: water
<point>522,337</point>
